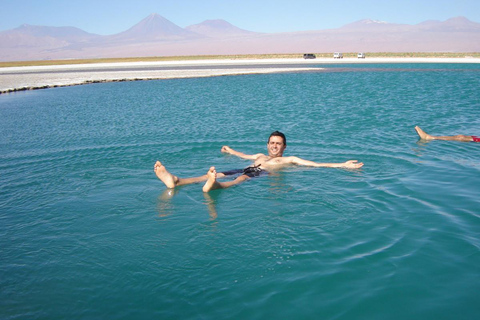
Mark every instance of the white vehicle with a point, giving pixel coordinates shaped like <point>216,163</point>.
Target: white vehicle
<point>337,55</point>
<point>361,55</point>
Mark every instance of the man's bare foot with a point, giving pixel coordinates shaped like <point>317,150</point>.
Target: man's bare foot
<point>353,164</point>
<point>211,183</point>
<point>169,179</point>
<point>422,134</point>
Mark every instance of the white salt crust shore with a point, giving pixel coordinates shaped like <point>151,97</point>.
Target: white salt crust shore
<point>14,79</point>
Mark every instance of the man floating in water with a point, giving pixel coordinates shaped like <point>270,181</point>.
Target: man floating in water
<point>262,164</point>
<point>425,136</point>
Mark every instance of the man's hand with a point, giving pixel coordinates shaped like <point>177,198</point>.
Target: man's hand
<point>352,164</point>
<point>226,149</point>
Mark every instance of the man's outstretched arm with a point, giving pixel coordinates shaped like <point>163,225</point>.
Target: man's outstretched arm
<point>227,149</point>
<point>350,164</point>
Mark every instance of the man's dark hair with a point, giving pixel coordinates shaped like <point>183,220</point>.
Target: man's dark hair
<point>278,134</point>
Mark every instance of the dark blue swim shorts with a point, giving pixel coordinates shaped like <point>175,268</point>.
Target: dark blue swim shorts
<point>248,171</point>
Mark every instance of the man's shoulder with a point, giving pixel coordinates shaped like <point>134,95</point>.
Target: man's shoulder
<point>289,159</point>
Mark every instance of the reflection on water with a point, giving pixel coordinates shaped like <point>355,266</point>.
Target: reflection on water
<point>210,202</point>
<point>164,203</point>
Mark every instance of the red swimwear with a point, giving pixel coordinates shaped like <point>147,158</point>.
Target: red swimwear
<point>475,139</point>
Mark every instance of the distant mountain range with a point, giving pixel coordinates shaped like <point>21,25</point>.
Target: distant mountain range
<point>157,36</point>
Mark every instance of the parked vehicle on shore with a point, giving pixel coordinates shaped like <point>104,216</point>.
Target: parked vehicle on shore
<point>361,55</point>
<point>309,56</point>
<point>338,55</point>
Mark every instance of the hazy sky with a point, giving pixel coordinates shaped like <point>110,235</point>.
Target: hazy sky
<point>109,17</point>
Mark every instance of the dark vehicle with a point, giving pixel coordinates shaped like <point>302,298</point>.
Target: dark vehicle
<point>309,56</point>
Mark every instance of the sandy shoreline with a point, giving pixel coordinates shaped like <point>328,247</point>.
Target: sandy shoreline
<point>39,77</point>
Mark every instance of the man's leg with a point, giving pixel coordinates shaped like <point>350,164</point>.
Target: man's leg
<point>213,184</point>
<point>172,181</point>
<point>425,136</point>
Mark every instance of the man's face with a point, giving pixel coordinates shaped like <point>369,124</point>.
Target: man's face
<point>275,146</point>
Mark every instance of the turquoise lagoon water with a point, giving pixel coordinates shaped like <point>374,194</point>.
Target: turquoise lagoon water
<point>88,232</point>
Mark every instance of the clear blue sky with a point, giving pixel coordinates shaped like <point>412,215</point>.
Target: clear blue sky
<point>109,17</point>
